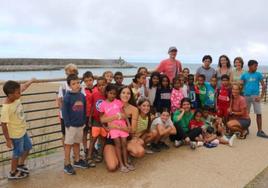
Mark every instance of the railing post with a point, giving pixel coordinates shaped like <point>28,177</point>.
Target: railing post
<point>266,82</point>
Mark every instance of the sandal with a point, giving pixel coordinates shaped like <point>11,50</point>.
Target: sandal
<point>98,158</point>
<point>91,163</point>
<point>244,135</point>
<point>130,167</point>
<point>124,169</point>
<point>16,175</point>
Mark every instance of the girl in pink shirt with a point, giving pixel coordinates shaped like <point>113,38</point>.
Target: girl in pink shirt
<point>118,129</point>
<point>177,93</point>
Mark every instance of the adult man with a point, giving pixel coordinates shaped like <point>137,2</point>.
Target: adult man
<point>171,67</point>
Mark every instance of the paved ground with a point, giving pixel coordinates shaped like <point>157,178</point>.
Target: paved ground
<point>216,168</point>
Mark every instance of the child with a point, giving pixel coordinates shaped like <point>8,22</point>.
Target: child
<point>191,92</point>
<point>13,123</point>
<point>211,89</point>
<point>144,71</point>
<point>138,86</point>
<point>74,116</point>
<point>251,81</point>
<point>97,128</point>
<point>212,140</point>
<point>88,80</point>
<point>118,78</point>
<point>164,127</point>
<point>108,75</point>
<point>197,125</point>
<point>153,85</point>
<point>223,98</point>
<point>200,90</point>
<point>185,73</point>
<point>162,96</point>
<point>118,129</point>
<point>144,123</point>
<point>177,93</point>
<point>69,69</point>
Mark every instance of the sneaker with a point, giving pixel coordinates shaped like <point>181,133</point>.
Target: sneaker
<point>16,175</point>
<point>193,145</point>
<point>155,147</point>
<point>68,169</point>
<point>199,144</point>
<point>163,145</point>
<point>81,164</point>
<point>225,138</point>
<point>262,134</point>
<point>178,143</point>
<point>91,163</point>
<point>148,150</point>
<point>231,140</point>
<point>23,168</point>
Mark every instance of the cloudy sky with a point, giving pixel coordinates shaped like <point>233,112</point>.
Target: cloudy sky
<point>134,29</point>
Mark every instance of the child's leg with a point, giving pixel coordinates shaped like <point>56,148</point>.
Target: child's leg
<point>14,164</point>
<point>67,152</point>
<point>118,150</point>
<point>91,146</point>
<point>76,150</point>
<point>85,133</point>
<point>124,150</point>
<point>23,158</point>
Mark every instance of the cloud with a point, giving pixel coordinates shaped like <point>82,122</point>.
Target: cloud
<point>133,29</point>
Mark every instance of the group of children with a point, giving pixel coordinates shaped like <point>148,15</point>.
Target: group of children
<point>187,110</point>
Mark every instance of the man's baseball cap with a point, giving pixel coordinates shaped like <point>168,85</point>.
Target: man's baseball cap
<point>172,48</point>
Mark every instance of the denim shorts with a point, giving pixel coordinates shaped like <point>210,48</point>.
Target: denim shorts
<point>21,145</point>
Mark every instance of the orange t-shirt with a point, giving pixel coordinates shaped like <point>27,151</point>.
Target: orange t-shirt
<point>168,67</point>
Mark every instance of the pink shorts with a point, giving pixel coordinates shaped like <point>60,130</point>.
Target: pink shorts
<point>114,133</point>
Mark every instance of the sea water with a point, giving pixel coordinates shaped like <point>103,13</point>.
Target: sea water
<point>26,75</point>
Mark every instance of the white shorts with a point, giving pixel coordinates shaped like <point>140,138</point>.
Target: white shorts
<point>73,135</point>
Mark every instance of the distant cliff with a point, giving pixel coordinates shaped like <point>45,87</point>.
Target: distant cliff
<point>37,64</point>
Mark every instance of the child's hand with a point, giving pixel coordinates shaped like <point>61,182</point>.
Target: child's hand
<point>9,143</point>
<point>182,110</point>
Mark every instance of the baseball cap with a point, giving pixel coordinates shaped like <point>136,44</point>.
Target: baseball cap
<point>172,48</point>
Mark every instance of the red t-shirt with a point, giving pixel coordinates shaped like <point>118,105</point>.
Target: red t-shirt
<point>223,99</point>
<point>238,104</point>
<point>168,67</point>
<point>195,124</point>
<point>97,98</point>
<point>89,94</point>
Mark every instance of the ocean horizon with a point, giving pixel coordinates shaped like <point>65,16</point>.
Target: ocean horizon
<point>26,75</point>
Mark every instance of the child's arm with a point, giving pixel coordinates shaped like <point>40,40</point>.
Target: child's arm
<point>24,86</point>
<point>65,111</point>
<point>210,138</point>
<point>5,132</point>
<point>178,118</point>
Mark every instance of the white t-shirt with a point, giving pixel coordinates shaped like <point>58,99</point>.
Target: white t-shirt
<point>158,121</point>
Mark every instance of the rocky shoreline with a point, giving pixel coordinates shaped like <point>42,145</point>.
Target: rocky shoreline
<point>39,64</point>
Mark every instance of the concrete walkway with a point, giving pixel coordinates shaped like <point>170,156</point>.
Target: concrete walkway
<point>209,168</point>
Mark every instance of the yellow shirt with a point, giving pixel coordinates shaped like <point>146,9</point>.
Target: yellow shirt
<point>12,114</point>
<point>142,124</point>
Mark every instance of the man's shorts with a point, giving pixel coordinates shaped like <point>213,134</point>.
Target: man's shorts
<point>21,145</point>
<point>98,131</point>
<point>256,105</point>
<point>74,135</point>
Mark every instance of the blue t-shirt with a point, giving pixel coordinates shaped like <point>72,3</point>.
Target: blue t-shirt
<point>210,95</point>
<point>251,83</point>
